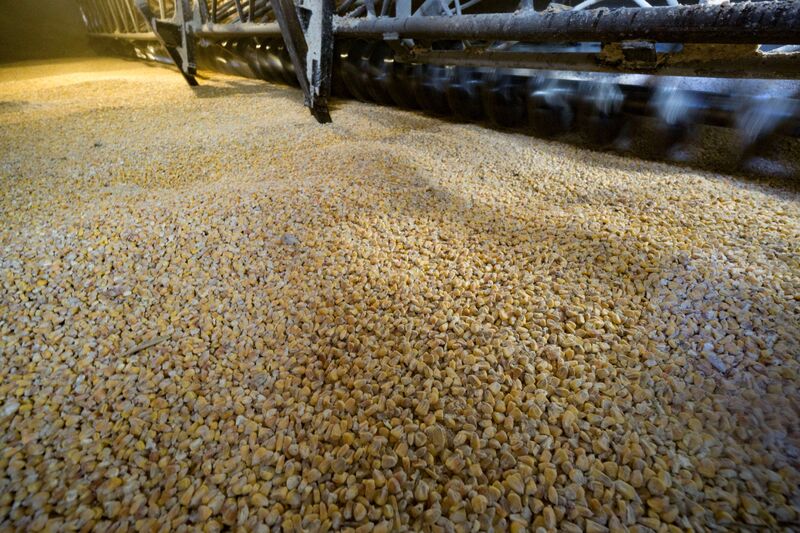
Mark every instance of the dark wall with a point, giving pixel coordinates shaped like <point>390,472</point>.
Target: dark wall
<point>39,29</point>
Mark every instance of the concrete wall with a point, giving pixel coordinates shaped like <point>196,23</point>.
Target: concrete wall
<point>40,29</point>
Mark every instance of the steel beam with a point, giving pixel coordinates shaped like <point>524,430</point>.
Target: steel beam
<point>760,66</point>
<point>308,36</point>
<point>175,35</point>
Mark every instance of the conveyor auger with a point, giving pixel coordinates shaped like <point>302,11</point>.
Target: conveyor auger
<point>533,64</point>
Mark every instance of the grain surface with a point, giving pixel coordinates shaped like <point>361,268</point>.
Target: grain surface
<point>217,313</point>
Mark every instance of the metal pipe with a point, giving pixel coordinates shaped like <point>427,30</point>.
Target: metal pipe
<point>219,32</point>
<point>123,19</point>
<point>779,24</point>
<point>125,36</point>
<point>105,16</point>
<point>115,26</point>
<point>748,22</point>
<point>585,4</point>
<point>132,12</point>
<point>89,15</point>
<point>226,10</point>
<point>239,10</point>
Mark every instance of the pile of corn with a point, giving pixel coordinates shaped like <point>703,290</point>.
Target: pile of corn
<point>216,313</point>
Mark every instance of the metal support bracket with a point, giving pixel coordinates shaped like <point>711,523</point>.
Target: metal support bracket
<point>307,30</point>
<point>639,55</point>
<point>631,55</point>
<point>175,35</point>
